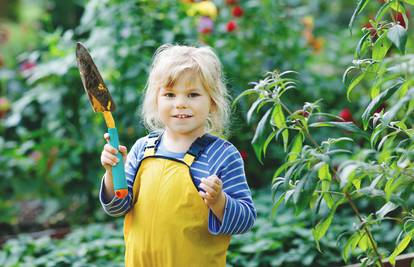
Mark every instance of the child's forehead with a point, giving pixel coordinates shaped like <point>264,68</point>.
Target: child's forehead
<point>187,79</point>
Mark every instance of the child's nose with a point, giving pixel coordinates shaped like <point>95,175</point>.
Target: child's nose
<point>181,102</point>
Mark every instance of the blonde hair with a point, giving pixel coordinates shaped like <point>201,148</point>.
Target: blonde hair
<point>169,63</point>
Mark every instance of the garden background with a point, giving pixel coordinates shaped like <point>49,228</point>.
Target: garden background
<point>51,140</point>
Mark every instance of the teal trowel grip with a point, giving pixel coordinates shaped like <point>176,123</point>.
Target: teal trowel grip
<point>118,171</point>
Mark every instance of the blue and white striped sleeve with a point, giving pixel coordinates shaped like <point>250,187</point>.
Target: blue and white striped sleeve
<point>239,211</point>
<point>116,206</point>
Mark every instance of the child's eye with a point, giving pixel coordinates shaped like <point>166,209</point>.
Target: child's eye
<point>169,94</point>
<point>193,95</point>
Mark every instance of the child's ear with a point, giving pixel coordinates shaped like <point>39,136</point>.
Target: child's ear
<point>213,107</point>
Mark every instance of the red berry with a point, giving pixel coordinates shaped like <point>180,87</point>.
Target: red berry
<point>237,11</point>
<point>244,154</point>
<point>231,26</point>
<point>346,115</point>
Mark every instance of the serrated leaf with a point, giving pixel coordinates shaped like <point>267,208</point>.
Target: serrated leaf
<point>397,34</point>
<point>376,102</point>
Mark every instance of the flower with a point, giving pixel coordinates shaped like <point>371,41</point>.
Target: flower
<point>204,8</point>
<point>205,25</point>
<point>237,11</point>
<point>27,65</point>
<point>346,115</point>
<point>231,26</point>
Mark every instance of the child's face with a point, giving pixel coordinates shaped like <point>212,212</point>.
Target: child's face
<point>184,108</point>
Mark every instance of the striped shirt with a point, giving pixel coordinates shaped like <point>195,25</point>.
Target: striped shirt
<point>219,158</point>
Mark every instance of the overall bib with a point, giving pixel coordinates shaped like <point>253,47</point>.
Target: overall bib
<point>167,225</point>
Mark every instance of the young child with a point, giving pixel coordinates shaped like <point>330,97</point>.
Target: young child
<point>187,187</point>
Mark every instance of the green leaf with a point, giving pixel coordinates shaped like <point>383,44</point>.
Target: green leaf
<point>354,83</point>
<point>398,36</point>
<point>322,227</point>
<point>278,119</point>
<point>258,141</point>
<point>346,173</point>
<point>384,8</point>
<point>361,5</point>
<point>397,6</point>
<point>244,93</point>
<point>296,147</point>
<point>350,245</point>
<point>363,243</point>
<point>360,44</point>
<point>347,126</point>
<point>381,47</point>
<point>390,114</point>
<point>324,173</point>
<point>410,2</point>
<point>253,108</point>
<point>376,102</point>
<point>267,142</point>
<point>401,247</point>
<point>387,208</point>
<point>277,204</point>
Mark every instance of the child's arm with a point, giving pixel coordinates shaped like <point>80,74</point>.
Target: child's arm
<point>112,205</point>
<point>239,213</point>
<point>214,197</point>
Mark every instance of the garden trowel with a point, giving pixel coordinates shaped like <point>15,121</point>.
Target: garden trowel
<point>101,101</point>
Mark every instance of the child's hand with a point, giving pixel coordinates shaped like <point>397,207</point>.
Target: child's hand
<point>108,155</point>
<point>213,195</point>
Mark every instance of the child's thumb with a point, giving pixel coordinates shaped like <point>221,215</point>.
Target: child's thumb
<point>123,150</point>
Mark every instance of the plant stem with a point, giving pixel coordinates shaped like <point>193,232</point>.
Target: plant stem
<point>349,198</point>
<point>367,231</point>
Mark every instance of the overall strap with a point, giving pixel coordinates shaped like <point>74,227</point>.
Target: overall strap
<point>197,148</point>
<point>152,143</point>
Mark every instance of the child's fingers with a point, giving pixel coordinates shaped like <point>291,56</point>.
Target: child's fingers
<point>109,160</point>
<point>106,136</point>
<point>209,190</point>
<point>124,152</point>
<point>110,149</point>
<point>206,196</point>
<point>212,182</point>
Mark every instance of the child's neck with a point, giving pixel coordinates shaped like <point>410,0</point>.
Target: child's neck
<point>179,143</point>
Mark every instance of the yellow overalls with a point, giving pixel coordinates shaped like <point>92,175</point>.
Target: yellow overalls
<point>167,225</point>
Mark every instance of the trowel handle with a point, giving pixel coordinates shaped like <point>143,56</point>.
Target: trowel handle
<point>118,171</point>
